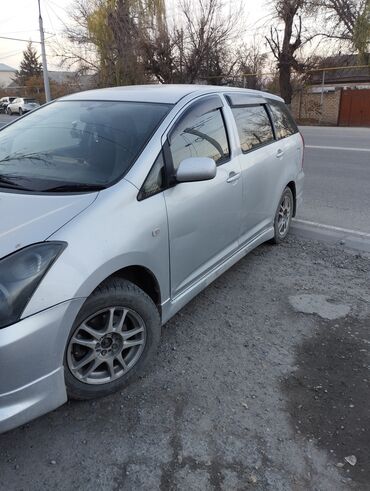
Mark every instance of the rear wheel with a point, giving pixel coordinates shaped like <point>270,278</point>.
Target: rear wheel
<point>114,337</point>
<point>284,215</point>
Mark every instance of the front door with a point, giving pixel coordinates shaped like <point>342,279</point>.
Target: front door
<point>203,217</point>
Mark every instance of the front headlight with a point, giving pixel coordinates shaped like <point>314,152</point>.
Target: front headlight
<point>20,275</point>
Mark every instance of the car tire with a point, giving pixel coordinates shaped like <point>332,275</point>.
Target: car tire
<point>283,216</point>
<point>106,306</point>
<point>20,111</point>
<point>9,111</point>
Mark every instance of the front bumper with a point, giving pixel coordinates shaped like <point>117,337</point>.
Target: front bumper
<point>31,364</point>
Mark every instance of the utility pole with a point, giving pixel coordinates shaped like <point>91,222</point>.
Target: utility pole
<point>43,54</point>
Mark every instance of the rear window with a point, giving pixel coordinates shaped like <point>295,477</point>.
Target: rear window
<point>283,120</point>
<point>254,127</point>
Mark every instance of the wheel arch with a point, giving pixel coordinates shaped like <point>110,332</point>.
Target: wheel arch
<point>291,185</point>
<point>142,277</point>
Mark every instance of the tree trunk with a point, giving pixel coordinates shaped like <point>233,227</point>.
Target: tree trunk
<point>285,84</point>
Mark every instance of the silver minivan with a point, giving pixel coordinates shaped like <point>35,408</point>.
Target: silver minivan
<point>117,207</point>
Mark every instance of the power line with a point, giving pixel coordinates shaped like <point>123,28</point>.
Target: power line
<point>20,32</point>
<point>49,17</point>
<point>18,39</point>
<point>56,15</point>
<point>10,54</point>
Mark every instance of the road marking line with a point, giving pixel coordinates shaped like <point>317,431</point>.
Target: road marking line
<point>351,149</point>
<point>331,227</point>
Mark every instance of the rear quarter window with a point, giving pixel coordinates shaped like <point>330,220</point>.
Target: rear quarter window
<point>254,126</point>
<point>282,119</point>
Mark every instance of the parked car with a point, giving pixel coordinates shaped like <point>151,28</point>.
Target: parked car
<point>22,105</point>
<point>4,102</point>
<point>118,207</point>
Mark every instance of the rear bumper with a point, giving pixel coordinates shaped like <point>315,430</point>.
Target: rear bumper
<point>31,364</point>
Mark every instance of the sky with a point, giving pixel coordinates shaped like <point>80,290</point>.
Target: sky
<point>19,19</point>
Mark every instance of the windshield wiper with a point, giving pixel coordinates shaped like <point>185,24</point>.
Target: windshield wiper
<point>9,182</point>
<point>74,187</point>
<point>30,156</point>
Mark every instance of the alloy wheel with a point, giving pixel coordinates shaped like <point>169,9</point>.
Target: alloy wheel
<point>106,345</point>
<point>284,215</point>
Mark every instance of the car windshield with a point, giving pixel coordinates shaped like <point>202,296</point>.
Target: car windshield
<point>76,145</point>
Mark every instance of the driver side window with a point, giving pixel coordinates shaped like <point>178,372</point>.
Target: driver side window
<point>201,136</point>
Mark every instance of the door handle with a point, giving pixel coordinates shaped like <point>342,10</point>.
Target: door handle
<point>279,153</point>
<point>233,176</point>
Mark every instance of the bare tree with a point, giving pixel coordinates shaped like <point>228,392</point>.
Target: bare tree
<point>106,37</point>
<point>285,47</point>
<point>348,20</point>
<point>197,48</point>
<point>252,62</point>
<point>78,48</point>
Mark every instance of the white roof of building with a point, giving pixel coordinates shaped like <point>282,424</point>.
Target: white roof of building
<point>161,93</point>
<point>6,68</point>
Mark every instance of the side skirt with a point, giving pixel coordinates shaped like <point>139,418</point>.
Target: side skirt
<point>171,307</point>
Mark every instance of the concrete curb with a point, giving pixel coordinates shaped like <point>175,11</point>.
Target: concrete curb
<point>334,235</point>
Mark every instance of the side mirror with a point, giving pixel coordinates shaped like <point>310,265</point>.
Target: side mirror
<point>196,169</point>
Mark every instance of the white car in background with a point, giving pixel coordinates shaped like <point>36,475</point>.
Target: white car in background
<point>4,102</point>
<point>22,105</point>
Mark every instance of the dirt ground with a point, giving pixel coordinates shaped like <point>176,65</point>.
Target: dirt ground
<point>261,382</point>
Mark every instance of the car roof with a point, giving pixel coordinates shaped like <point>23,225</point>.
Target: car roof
<point>159,93</point>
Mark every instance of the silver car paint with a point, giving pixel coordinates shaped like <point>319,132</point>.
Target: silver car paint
<point>27,393</point>
<point>184,236</point>
<point>30,218</point>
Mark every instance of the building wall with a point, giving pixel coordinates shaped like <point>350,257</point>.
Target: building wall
<point>306,107</point>
<point>6,78</point>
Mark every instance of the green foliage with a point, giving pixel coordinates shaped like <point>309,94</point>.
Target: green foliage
<point>361,33</point>
<point>117,29</point>
<point>30,65</point>
<point>129,41</point>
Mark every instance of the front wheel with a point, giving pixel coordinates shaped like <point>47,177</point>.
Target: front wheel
<point>283,216</point>
<point>113,338</point>
<point>9,111</point>
<point>20,111</point>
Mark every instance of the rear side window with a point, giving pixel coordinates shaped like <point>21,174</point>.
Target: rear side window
<point>253,125</point>
<point>283,121</point>
<point>201,136</point>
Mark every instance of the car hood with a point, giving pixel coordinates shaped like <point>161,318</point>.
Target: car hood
<point>29,218</point>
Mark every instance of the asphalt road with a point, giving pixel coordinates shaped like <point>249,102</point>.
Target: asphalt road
<point>5,119</point>
<point>260,383</point>
<point>337,170</point>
